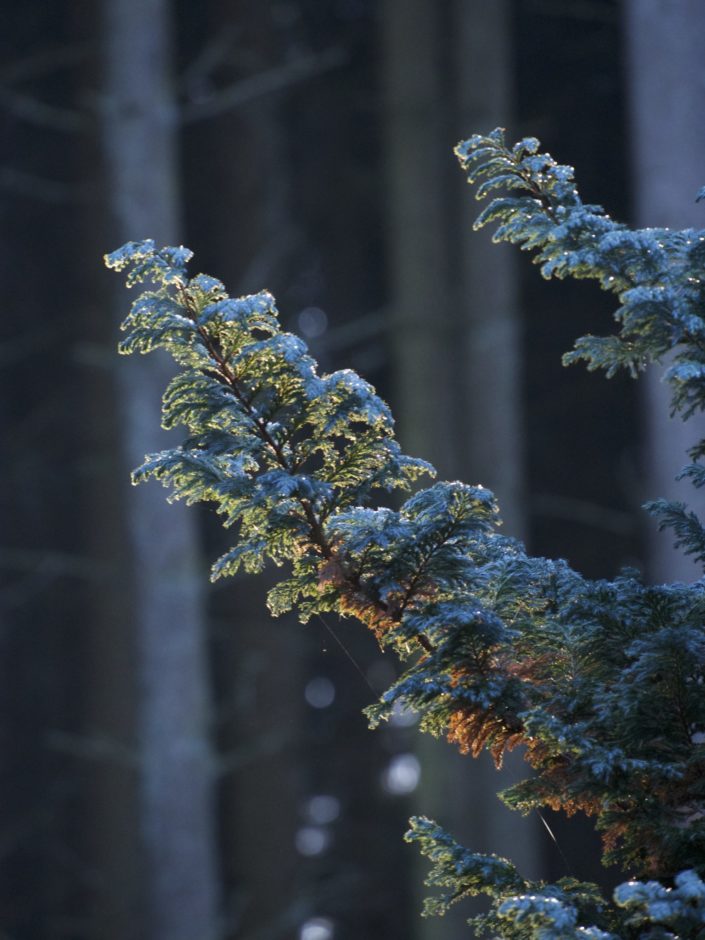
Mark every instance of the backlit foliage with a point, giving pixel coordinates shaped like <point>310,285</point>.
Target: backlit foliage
<point>600,682</point>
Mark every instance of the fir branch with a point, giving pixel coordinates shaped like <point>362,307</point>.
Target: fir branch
<point>600,681</point>
<point>658,274</point>
<point>515,649</point>
<point>147,261</point>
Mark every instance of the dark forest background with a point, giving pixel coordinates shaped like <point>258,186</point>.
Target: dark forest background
<point>175,765</point>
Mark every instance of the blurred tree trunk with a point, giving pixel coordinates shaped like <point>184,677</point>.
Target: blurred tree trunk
<point>455,334</point>
<point>175,801</point>
<point>418,162</point>
<point>488,410</point>
<point>666,77</point>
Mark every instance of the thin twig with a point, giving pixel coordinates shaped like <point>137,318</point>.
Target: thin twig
<point>279,78</point>
<point>33,111</point>
<point>212,55</point>
<point>43,62</point>
<point>54,192</point>
<point>30,109</point>
<point>93,747</point>
<point>55,563</point>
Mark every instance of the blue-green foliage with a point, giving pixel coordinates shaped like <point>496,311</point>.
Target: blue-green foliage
<point>600,682</point>
<point>567,910</point>
<point>275,446</point>
<point>657,274</point>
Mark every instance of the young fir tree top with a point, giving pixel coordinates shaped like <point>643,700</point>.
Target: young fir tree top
<point>600,682</point>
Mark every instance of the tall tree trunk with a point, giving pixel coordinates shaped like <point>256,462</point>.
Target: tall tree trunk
<point>666,75</point>
<point>175,783</point>
<point>417,153</point>
<point>455,342</point>
<point>488,410</point>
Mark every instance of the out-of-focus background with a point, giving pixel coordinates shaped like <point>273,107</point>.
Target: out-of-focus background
<point>175,765</point>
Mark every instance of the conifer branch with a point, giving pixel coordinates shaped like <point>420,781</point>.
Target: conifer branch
<point>273,80</point>
<point>599,681</point>
<point>317,533</point>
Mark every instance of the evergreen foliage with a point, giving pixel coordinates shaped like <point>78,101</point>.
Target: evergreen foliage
<point>600,682</point>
